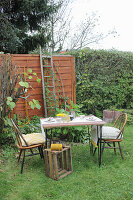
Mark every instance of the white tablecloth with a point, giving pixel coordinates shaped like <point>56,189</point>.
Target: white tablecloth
<point>94,134</point>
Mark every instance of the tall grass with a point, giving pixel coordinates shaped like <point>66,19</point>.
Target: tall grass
<point>112,181</point>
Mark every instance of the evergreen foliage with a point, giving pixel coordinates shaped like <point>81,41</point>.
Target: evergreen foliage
<point>21,24</point>
<point>104,80</point>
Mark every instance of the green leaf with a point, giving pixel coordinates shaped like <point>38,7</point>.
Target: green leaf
<point>9,122</point>
<point>9,98</point>
<point>34,101</point>
<point>24,84</point>
<point>7,102</point>
<point>30,77</point>
<point>25,74</point>
<point>31,105</point>
<point>34,74</point>
<point>29,70</point>
<point>38,80</point>
<point>12,105</point>
<point>34,104</point>
<point>38,106</point>
<point>21,83</point>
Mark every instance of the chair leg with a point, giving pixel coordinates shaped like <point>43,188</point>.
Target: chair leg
<point>41,152</point>
<point>120,150</point>
<point>114,147</point>
<point>19,155</point>
<point>103,147</point>
<point>31,151</point>
<point>23,161</point>
<point>94,151</point>
<point>91,148</point>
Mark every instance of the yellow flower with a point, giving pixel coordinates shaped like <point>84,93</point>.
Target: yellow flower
<point>65,116</point>
<point>61,115</point>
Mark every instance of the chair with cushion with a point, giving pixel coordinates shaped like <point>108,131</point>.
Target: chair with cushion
<point>113,135</point>
<point>28,142</point>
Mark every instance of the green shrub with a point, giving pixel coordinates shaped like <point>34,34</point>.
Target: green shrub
<point>75,134</point>
<point>33,126</point>
<point>104,79</point>
<point>72,134</point>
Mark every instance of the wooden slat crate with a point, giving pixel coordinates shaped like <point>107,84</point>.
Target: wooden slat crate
<point>58,164</point>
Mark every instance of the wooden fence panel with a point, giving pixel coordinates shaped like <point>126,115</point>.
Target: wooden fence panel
<point>65,66</point>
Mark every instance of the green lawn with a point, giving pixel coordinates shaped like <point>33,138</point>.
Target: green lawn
<point>112,181</point>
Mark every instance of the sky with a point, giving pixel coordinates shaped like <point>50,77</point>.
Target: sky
<point>112,14</point>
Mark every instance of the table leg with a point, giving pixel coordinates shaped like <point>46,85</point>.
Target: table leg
<point>100,143</point>
<point>46,132</point>
<point>51,137</point>
<point>89,135</point>
<point>97,142</point>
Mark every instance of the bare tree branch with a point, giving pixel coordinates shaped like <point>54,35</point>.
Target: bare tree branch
<point>86,34</point>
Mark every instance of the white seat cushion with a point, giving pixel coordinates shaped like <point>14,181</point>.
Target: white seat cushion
<point>110,133</point>
<point>33,138</point>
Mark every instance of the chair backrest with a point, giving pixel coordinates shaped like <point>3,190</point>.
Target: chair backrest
<point>120,122</point>
<point>19,135</point>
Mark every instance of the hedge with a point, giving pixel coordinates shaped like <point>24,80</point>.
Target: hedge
<point>104,80</point>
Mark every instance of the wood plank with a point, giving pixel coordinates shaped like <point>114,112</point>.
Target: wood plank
<point>63,70</point>
<point>62,171</point>
<point>50,165</point>
<point>35,69</point>
<point>31,97</point>
<point>35,84</point>
<point>61,58</point>
<point>36,112</point>
<point>64,175</point>
<point>22,106</point>
<point>46,163</point>
<point>26,61</point>
<point>62,63</point>
<point>61,160</point>
<point>66,76</point>
<point>31,113</point>
<point>36,89</point>
<point>65,160</point>
<point>25,55</point>
<point>55,166</point>
<point>70,159</point>
<point>59,84</point>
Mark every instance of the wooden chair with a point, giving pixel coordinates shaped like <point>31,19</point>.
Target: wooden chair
<point>113,135</point>
<point>28,142</point>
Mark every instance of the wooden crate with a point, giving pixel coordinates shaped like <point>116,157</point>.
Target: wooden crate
<point>58,164</point>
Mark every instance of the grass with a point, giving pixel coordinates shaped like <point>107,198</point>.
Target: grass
<point>112,181</point>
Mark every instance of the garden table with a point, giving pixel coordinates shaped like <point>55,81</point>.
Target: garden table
<point>49,123</point>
